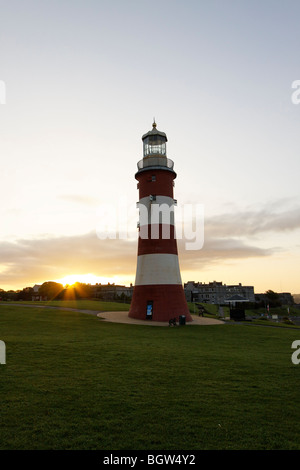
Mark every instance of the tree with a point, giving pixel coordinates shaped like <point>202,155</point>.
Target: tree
<point>83,291</point>
<point>273,298</point>
<point>50,289</point>
<point>25,294</point>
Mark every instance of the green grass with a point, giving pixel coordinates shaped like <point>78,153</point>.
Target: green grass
<point>280,311</point>
<point>279,324</point>
<point>73,381</point>
<point>210,309</point>
<point>97,305</point>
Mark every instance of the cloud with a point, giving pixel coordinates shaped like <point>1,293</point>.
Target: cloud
<point>231,236</point>
<point>217,250</point>
<point>28,261</point>
<point>251,222</point>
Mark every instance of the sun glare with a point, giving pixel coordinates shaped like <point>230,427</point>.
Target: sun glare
<point>86,279</point>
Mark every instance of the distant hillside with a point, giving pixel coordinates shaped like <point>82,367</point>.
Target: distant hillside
<point>296,298</point>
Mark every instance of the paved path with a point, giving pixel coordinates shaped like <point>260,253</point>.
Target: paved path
<point>122,317</point>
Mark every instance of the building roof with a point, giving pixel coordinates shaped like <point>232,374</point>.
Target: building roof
<point>154,131</point>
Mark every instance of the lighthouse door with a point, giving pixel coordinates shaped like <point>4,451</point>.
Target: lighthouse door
<point>149,311</point>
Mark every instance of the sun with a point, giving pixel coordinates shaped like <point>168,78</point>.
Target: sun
<point>86,279</point>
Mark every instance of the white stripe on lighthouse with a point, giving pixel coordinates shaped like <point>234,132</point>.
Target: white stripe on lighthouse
<point>159,211</point>
<point>157,268</point>
<point>159,200</point>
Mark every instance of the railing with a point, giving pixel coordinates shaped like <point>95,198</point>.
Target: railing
<point>155,161</point>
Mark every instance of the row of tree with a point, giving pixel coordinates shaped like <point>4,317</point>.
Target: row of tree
<point>54,290</point>
<point>51,290</point>
<point>272,299</point>
<point>47,289</point>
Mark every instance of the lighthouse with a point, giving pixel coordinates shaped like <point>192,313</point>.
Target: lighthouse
<point>158,293</point>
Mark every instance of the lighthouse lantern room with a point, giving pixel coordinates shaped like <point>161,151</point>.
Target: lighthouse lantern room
<point>154,143</point>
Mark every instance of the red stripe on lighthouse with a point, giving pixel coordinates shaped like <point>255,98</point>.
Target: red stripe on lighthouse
<point>168,302</point>
<point>148,244</point>
<point>162,185</point>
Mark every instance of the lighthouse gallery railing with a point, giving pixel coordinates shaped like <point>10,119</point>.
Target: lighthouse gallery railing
<point>155,161</point>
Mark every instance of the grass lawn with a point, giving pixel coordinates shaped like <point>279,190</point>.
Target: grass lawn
<point>72,381</point>
<point>98,305</point>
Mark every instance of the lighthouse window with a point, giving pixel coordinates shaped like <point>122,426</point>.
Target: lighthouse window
<point>153,178</point>
<point>155,149</point>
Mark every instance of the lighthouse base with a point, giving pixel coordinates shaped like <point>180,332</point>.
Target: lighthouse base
<point>159,303</point>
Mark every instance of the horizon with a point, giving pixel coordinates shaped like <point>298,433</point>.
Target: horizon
<point>80,83</point>
<point>100,281</point>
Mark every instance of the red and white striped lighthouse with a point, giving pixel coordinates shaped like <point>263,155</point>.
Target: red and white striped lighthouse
<point>158,293</point>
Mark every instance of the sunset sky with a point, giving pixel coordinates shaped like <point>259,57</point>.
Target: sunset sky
<point>84,80</point>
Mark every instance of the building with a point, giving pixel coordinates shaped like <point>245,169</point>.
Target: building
<point>112,292</point>
<point>216,292</point>
<point>158,292</point>
<point>35,295</point>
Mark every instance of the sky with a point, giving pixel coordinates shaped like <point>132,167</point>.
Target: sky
<point>81,82</point>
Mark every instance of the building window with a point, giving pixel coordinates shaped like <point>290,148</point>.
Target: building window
<point>153,178</point>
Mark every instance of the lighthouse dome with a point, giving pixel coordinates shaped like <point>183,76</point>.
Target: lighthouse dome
<point>154,142</point>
